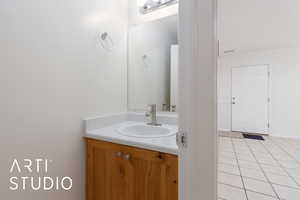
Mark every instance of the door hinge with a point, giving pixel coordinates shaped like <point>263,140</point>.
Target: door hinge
<point>268,125</point>
<point>269,99</point>
<point>181,139</point>
<point>269,74</point>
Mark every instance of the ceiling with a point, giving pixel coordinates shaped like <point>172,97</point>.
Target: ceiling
<point>249,25</point>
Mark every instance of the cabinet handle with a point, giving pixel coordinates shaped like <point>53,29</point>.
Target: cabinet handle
<point>118,154</point>
<point>126,156</point>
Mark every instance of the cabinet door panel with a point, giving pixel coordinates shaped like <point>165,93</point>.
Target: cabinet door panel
<point>101,182</point>
<point>153,175</point>
<point>105,173</point>
<point>172,177</point>
<point>118,179</point>
<point>98,172</point>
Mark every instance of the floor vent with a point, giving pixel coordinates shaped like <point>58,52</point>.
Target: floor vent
<point>253,137</point>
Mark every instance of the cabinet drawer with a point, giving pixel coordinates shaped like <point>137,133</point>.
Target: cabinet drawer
<point>134,152</point>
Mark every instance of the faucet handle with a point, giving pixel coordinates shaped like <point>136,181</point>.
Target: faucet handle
<point>147,114</point>
<point>152,107</point>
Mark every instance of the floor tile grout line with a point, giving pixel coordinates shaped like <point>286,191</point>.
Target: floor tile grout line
<point>291,156</point>
<point>228,173</point>
<point>226,164</point>
<point>257,180</point>
<point>234,186</point>
<point>238,165</point>
<point>279,146</point>
<point>244,176</point>
<point>274,142</point>
<point>290,187</point>
<point>262,170</point>
<point>277,174</point>
<point>248,177</point>
<point>258,150</point>
<point>264,164</point>
<point>281,165</point>
<point>268,195</point>
<point>227,157</point>
<point>250,167</point>
<point>287,143</point>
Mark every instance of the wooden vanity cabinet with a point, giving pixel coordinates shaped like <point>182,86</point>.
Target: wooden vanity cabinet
<point>119,172</point>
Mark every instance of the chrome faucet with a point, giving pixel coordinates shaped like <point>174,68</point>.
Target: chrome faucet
<point>152,113</point>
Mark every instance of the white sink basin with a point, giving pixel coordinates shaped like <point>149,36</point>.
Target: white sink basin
<point>147,131</point>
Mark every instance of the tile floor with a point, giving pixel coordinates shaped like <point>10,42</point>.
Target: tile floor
<point>259,170</point>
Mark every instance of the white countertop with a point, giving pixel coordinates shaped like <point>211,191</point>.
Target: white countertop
<point>106,128</point>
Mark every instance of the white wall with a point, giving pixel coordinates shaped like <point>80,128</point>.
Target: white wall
<point>53,73</point>
<point>258,24</point>
<point>285,88</point>
<point>149,78</point>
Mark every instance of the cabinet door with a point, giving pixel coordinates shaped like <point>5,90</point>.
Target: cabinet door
<point>106,173</point>
<point>151,175</point>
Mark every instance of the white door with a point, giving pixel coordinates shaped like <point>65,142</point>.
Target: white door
<point>197,99</point>
<point>250,99</point>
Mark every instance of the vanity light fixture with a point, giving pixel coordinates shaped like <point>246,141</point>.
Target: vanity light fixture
<point>152,5</point>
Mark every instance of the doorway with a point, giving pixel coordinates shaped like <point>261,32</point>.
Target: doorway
<point>250,99</point>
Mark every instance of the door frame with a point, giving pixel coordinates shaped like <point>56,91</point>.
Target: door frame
<point>197,92</point>
<point>269,92</point>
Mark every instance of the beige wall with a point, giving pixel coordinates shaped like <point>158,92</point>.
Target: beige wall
<point>53,73</point>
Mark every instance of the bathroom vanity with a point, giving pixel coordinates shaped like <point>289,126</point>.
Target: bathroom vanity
<point>117,171</point>
<point>121,166</point>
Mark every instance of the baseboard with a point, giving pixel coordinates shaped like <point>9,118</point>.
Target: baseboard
<point>268,134</point>
<point>289,137</point>
<point>225,130</point>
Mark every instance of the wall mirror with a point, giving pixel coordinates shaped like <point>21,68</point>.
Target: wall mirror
<point>153,64</point>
